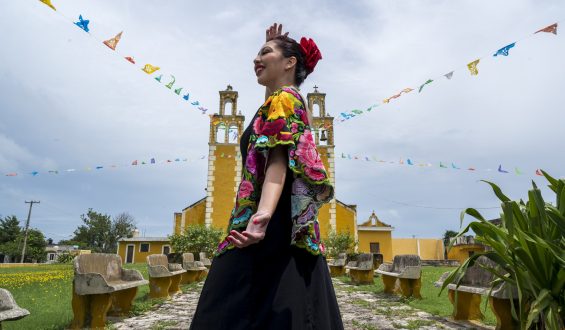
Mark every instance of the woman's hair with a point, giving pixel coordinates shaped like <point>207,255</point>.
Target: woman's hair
<point>289,48</point>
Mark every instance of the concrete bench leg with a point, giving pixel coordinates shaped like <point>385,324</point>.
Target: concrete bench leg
<point>174,288</point>
<point>502,310</point>
<point>410,287</point>
<point>122,301</point>
<point>467,306</point>
<point>90,310</point>
<point>389,283</point>
<point>159,287</point>
<point>336,271</point>
<point>361,276</point>
<point>201,275</point>
<point>191,276</point>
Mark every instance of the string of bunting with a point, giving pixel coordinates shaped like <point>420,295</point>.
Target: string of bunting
<point>443,165</point>
<point>153,161</point>
<point>472,67</point>
<point>148,68</point>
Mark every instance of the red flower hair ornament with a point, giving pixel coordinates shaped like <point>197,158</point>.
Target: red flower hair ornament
<point>311,54</point>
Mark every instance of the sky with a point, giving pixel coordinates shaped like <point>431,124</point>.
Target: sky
<point>69,102</point>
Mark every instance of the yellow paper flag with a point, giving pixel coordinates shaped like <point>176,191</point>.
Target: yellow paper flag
<point>473,67</point>
<point>48,3</point>
<point>112,43</point>
<point>149,69</point>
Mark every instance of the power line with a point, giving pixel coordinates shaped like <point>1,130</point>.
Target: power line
<point>442,208</point>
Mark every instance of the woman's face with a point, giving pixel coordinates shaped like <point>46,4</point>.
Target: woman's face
<point>270,64</point>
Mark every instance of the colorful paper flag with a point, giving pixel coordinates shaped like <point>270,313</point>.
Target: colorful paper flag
<point>130,59</point>
<point>455,167</point>
<point>549,29</point>
<point>186,97</point>
<point>134,162</point>
<point>99,167</point>
<point>170,85</point>
<point>113,42</point>
<point>538,172</point>
<point>409,162</point>
<point>504,50</point>
<point>517,170</point>
<point>178,90</point>
<point>149,69</point>
<point>48,3</point>
<point>501,170</point>
<point>34,173</point>
<point>12,174</point>
<point>424,84</point>
<point>357,112</point>
<point>159,78</point>
<point>82,23</point>
<point>448,75</point>
<point>152,160</point>
<point>441,165</point>
<point>195,103</point>
<point>473,67</point>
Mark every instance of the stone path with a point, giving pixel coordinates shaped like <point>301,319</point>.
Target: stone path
<point>359,311</point>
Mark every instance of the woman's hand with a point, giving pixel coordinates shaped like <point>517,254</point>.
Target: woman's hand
<point>274,31</point>
<point>255,231</point>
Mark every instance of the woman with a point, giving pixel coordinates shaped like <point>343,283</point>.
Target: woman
<point>269,272</point>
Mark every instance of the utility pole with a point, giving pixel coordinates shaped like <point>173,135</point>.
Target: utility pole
<point>27,229</point>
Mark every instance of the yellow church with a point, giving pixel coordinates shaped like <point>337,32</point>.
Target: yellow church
<point>224,175</point>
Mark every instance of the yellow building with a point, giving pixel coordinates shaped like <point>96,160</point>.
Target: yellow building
<point>375,236</point>
<point>463,248</point>
<point>136,249</point>
<point>224,169</point>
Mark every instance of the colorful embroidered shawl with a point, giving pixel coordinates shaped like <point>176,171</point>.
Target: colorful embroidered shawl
<point>283,120</point>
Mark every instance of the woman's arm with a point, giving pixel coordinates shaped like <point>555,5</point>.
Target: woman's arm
<point>272,32</point>
<point>270,194</point>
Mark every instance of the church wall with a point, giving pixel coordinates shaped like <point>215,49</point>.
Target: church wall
<point>429,248</point>
<point>177,228</point>
<point>345,219</point>
<point>195,214</point>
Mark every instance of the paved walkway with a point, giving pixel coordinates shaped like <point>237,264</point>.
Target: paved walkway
<point>359,311</point>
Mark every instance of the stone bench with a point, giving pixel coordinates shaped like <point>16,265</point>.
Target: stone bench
<point>377,260</point>
<point>205,260</point>
<point>337,266</point>
<point>101,286</point>
<point>164,277</point>
<point>403,276</point>
<point>195,270</point>
<point>9,310</point>
<point>476,282</point>
<point>361,270</point>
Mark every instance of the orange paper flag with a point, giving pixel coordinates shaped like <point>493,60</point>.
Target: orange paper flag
<point>112,43</point>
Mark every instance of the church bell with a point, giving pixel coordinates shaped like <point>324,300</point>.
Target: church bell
<point>323,136</point>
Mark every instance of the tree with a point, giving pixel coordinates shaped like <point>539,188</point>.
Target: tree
<point>197,238</point>
<point>100,233</point>
<point>9,229</point>
<point>337,243</point>
<point>447,236</point>
<point>35,250</point>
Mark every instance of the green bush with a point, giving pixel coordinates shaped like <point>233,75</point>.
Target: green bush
<point>65,258</point>
<point>197,238</point>
<point>529,245</point>
<point>337,243</point>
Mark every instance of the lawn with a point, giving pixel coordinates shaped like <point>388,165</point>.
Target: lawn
<point>430,301</point>
<point>46,291</point>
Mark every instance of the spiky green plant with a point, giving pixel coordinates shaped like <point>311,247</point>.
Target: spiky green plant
<point>529,246</point>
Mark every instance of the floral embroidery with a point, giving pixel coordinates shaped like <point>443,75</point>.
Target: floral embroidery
<point>283,120</point>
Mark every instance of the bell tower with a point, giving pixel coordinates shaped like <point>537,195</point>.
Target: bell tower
<point>224,160</point>
<point>323,132</point>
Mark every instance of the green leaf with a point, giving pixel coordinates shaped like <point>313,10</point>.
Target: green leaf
<point>497,191</point>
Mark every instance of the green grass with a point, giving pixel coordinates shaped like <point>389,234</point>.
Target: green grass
<point>431,303</point>
<point>49,302</point>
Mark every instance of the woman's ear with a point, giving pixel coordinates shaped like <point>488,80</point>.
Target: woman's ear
<point>291,63</point>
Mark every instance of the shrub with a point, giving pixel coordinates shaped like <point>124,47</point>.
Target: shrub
<point>529,245</point>
<point>337,243</point>
<point>65,258</point>
<point>197,238</point>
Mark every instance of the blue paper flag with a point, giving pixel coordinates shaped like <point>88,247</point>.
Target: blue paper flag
<point>195,103</point>
<point>186,97</point>
<point>82,23</point>
<point>501,170</point>
<point>504,50</point>
<point>409,162</point>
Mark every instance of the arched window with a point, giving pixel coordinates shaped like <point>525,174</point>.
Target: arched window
<point>315,110</point>
<point>233,133</point>
<point>323,135</point>
<point>228,107</point>
<point>221,133</point>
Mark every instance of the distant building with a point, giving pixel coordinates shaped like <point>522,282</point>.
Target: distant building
<point>54,251</point>
<point>463,247</point>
